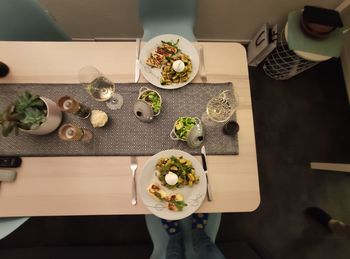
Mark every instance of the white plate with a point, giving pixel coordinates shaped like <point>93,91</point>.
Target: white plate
<point>193,196</point>
<point>153,74</point>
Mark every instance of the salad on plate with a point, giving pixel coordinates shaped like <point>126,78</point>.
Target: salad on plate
<point>179,168</point>
<point>165,184</point>
<point>175,65</point>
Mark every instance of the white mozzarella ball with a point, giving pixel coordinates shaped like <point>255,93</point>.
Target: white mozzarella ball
<point>178,66</point>
<point>171,178</point>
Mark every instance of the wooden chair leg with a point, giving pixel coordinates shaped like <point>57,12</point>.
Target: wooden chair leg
<point>330,167</point>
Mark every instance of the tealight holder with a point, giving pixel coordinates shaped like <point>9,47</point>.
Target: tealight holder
<point>70,132</point>
<point>70,105</point>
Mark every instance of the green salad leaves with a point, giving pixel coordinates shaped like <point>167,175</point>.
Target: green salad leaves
<point>183,125</point>
<point>153,99</point>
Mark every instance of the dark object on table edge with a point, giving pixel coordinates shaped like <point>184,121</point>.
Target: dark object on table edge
<point>10,161</point>
<point>231,128</point>
<point>4,69</point>
<point>319,22</point>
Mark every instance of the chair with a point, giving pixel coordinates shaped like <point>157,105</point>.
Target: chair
<point>168,17</point>
<point>8,225</point>
<point>160,237</point>
<point>25,20</point>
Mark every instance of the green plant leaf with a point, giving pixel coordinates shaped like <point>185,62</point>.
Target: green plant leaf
<point>27,100</point>
<point>34,117</point>
<point>7,128</point>
<point>27,112</point>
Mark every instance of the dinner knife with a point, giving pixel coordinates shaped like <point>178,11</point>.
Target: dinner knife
<point>204,163</point>
<point>137,62</point>
<point>202,72</point>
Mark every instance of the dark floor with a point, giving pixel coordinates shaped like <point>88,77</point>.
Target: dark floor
<point>306,118</point>
<point>297,121</point>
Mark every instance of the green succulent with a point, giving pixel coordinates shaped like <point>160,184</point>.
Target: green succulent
<point>27,100</point>
<point>27,112</point>
<point>33,118</point>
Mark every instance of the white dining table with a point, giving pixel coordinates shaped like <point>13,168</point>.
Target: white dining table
<point>101,185</point>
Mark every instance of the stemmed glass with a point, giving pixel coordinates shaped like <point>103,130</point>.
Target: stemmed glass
<point>100,87</point>
<point>220,108</point>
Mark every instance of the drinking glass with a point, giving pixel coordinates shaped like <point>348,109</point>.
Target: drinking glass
<point>220,108</point>
<point>100,87</point>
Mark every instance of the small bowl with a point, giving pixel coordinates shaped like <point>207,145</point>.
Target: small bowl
<point>142,109</point>
<point>195,136</point>
<point>315,30</point>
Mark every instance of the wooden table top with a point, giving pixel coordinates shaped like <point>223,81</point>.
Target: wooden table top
<point>47,186</point>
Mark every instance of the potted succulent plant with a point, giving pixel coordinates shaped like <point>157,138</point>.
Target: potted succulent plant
<point>30,113</point>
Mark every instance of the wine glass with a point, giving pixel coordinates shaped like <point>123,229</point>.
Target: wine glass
<point>100,87</point>
<point>220,108</point>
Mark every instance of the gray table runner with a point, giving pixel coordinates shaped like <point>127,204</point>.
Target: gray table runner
<point>124,134</point>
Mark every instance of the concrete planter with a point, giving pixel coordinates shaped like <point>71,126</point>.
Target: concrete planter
<point>53,120</point>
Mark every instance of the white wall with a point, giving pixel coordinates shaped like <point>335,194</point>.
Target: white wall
<point>96,18</point>
<point>236,20</point>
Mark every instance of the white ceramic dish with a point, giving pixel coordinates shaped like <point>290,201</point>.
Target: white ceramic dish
<point>153,74</point>
<point>193,196</point>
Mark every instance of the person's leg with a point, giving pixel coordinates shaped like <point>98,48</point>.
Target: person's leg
<point>323,218</point>
<point>202,244</point>
<point>175,249</point>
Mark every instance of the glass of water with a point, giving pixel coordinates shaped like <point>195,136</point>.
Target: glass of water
<point>220,108</point>
<point>100,87</point>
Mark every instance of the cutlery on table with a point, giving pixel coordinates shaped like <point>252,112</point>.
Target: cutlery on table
<point>133,167</point>
<point>204,162</point>
<point>202,72</point>
<point>137,62</point>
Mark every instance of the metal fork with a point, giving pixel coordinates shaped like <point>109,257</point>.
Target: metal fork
<point>133,167</point>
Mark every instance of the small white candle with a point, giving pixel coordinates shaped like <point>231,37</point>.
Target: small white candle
<point>70,132</point>
<point>67,104</point>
